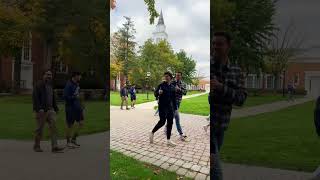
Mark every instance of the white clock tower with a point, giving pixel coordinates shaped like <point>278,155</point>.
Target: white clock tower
<point>160,32</point>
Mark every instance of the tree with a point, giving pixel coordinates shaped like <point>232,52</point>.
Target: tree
<point>284,46</point>
<point>125,50</point>
<point>188,66</point>
<point>152,10</point>
<point>250,24</point>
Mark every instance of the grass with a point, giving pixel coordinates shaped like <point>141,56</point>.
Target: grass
<point>115,99</point>
<point>197,105</point>
<point>264,99</point>
<point>283,139</point>
<point>123,167</point>
<point>18,122</point>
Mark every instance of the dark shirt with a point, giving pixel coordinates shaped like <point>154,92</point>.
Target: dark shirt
<point>181,92</point>
<point>232,93</point>
<point>49,95</point>
<point>71,94</point>
<point>40,97</point>
<point>124,92</point>
<point>167,100</point>
<point>133,92</point>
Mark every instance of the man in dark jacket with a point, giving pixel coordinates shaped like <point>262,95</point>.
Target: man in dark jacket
<point>166,94</point>
<point>227,89</point>
<point>124,93</point>
<point>73,108</point>
<point>45,107</point>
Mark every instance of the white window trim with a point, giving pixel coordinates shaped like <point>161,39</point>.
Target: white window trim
<point>30,50</point>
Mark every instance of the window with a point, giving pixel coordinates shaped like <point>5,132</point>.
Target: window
<point>296,78</point>
<point>26,49</point>
<point>250,81</point>
<point>59,66</point>
<point>269,81</point>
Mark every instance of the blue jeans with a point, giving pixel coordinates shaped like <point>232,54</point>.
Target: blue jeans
<point>177,118</point>
<point>216,138</point>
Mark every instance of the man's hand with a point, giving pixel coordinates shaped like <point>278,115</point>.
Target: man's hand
<point>160,91</point>
<point>178,89</point>
<point>216,85</point>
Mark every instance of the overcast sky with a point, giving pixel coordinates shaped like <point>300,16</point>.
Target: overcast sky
<point>187,22</point>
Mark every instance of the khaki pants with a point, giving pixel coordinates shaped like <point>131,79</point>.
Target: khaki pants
<point>124,100</point>
<point>41,119</point>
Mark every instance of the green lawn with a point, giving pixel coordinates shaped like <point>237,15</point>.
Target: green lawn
<point>283,139</point>
<point>17,119</point>
<point>115,99</point>
<point>123,167</point>
<point>197,105</point>
<point>264,99</point>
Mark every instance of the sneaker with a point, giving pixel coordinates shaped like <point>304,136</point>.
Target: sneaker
<point>37,149</point>
<point>57,150</point>
<point>151,137</point>
<point>183,138</point>
<point>70,146</point>
<point>74,142</point>
<point>170,143</point>
<point>165,130</point>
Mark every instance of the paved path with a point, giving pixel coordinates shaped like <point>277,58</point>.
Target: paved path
<point>130,135</point>
<point>250,111</point>
<point>18,161</point>
<point>243,172</point>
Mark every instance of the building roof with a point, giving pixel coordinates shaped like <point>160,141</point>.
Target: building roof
<point>161,21</point>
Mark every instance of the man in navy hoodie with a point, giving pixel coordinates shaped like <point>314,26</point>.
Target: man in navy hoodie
<point>73,108</point>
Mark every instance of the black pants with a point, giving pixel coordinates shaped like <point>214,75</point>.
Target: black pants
<point>166,115</point>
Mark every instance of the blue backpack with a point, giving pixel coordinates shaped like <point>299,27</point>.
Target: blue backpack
<point>317,116</point>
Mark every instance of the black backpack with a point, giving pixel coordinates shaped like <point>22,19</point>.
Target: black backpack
<point>317,116</point>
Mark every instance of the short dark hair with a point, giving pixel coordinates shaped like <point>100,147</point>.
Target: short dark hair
<point>76,73</point>
<point>179,72</point>
<point>225,35</point>
<point>169,74</point>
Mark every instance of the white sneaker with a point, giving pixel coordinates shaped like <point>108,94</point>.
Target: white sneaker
<point>183,138</point>
<point>70,146</point>
<point>151,137</point>
<point>170,143</point>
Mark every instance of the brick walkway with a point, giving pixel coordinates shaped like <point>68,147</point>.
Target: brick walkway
<point>130,136</point>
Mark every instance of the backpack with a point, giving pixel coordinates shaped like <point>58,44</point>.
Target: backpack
<point>317,116</point>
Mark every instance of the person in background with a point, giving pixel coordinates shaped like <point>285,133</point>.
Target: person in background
<point>46,109</point>
<point>166,94</point>
<point>74,109</point>
<point>226,89</point>
<point>291,91</point>
<point>124,97</point>
<point>133,95</point>
<point>205,127</point>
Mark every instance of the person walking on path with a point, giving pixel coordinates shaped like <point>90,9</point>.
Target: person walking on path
<point>205,127</point>
<point>73,109</point>
<point>46,109</point>
<point>181,90</point>
<point>291,91</point>
<point>227,89</point>
<point>124,97</point>
<point>133,95</point>
<point>167,106</point>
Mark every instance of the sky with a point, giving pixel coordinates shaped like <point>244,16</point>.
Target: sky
<point>187,23</point>
<point>304,16</point>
